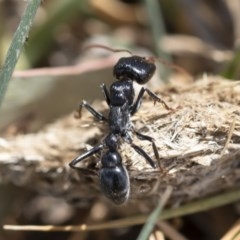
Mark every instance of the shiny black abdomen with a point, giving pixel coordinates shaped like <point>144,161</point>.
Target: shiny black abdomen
<point>115,183</point>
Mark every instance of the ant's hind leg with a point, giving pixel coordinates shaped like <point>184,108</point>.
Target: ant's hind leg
<point>89,153</point>
<point>154,147</point>
<point>150,139</point>
<point>95,113</point>
<point>152,95</point>
<point>141,152</point>
<point>127,138</point>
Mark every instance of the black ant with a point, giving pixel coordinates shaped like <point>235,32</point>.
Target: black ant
<point>113,176</point>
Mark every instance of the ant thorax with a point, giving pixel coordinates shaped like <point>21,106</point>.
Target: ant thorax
<point>119,119</point>
<point>122,92</point>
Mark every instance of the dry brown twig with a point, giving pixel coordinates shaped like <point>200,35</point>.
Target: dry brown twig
<point>199,144</point>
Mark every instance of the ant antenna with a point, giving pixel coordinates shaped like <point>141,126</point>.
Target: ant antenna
<point>171,65</point>
<point>150,59</point>
<point>106,48</point>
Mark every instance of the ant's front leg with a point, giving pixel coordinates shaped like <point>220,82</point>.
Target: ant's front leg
<point>105,93</point>
<point>95,113</point>
<point>152,95</point>
<point>89,153</point>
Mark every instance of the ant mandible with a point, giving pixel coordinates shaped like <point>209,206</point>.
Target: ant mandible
<point>113,176</point>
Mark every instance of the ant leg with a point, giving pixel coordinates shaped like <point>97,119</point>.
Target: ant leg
<point>152,140</point>
<point>127,138</point>
<point>95,113</point>
<point>144,154</point>
<point>105,93</point>
<point>138,102</point>
<point>152,95</point>
<point>89,153</point>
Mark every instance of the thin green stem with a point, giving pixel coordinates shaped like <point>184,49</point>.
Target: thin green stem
<point>156,23</point>
<point>231,70</point>
<point>16,45</point>
<point>152,219</point>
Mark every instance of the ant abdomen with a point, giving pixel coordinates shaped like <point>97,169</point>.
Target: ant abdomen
<point>114,179</point>
<point>136,68</point>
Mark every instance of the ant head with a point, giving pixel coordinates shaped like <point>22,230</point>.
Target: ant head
<point>136,68</point>
<point>141,69</point>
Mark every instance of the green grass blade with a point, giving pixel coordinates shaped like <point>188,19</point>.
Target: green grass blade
<point>232,69</point>
<point>148,227</point>
<point>16,45</point>
<point>157,26</point>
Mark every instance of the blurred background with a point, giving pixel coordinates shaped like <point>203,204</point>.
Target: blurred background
<point>202,36</point>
